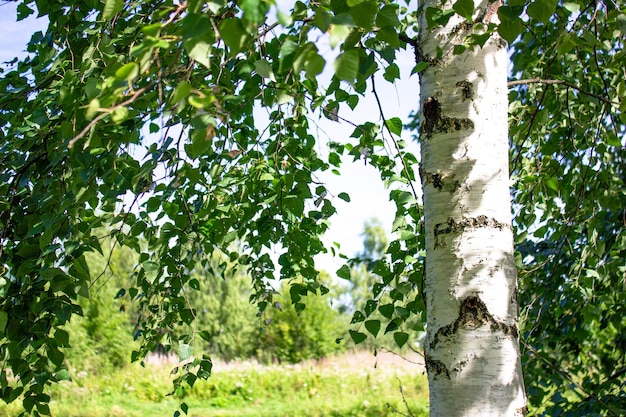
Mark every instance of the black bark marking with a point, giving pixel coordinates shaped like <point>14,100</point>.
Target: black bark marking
<point>473,313</point>
<point>436,368</point>
<point>439,181</point>
<point>452,226</point>
<point>459,366</point>
<point>467,89</point>
<point>432,114</point>
<point>436,122</point>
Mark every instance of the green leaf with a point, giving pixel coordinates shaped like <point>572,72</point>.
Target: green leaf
<point>459,49</point>
<point>4,318</point>
<point>314,64</point>
<point>338,33</point>
<point>392,326</point>
<point>92,109</point>
<point>199,50</point>
<point>111,8</point>
<point>92,88</point>
<point>418,68</point>
<point>127,72</point>
<point>344,272</point>
<point>373,326</point>
<point>571,7</point>
<point>347,66</point>
<point>181,92</point>
<point>392,73</point>
<point>394,125</point>
<point>23,11</point>
<point>389,35</point>
<point>510,29</point>
<point>233,34</point>
<point>364,13</point>
<point>308,59</point>
<point>62,375</point>
<point>388,16</point>
<point>566,43</point>
<point>150,266</point>
<point>119,115</point>
<point>251,10</point>
<point>194,284</point>
<point>542,10</point>
<point>263,68</point>
<point>295,205</point>
<point>437,17</point>
<point>344,197</point>
<point>387,310</point>
<point>357,337</point>
<point>464,8</point>
<point>62,338</point>
<point>284,19</point>
<point>553,183</point>
<point>401,338</point>
<point>506,13</point>
<point>185,352</point>
<point>357,317</point>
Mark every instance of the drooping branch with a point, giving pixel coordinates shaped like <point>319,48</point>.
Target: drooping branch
<point>561,82</point>
<point>404,164</point>
<point>105,113</point>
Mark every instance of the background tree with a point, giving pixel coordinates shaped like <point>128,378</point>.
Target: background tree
<point>102,338</point>
<point>291,334</point>
<point>362,280</point>
<point>223,317</point>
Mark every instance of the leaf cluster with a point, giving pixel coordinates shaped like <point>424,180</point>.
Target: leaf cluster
<point>567,161</point>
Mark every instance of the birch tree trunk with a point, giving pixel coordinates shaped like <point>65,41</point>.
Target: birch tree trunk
<point>472,343</point>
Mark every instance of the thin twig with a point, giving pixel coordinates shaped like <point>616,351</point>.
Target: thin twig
<point>406,404</point>
<point>404,357</point>
<point>395,143</point>
<point>91,124</point>
<point>562,82</point>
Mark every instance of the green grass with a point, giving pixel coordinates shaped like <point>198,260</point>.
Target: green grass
<point>342,387</point>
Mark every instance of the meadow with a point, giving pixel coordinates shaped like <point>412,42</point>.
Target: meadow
<point>353,384</point>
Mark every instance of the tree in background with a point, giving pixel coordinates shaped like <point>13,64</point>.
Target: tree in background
<point>362,280</point>
<point>223,317</point>
<point>76,157</point>
<point>290,333</point>
<point>101,339</point>
<point>356,297</point>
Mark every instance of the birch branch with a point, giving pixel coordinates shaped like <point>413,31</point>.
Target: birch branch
<point>561,82</point>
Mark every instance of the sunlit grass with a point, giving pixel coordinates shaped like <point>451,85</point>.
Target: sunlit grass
<point>347,385</point>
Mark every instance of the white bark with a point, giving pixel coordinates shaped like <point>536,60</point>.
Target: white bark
<point>472,346</point>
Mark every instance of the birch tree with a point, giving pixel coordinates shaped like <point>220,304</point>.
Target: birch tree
<point>472,347</point>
